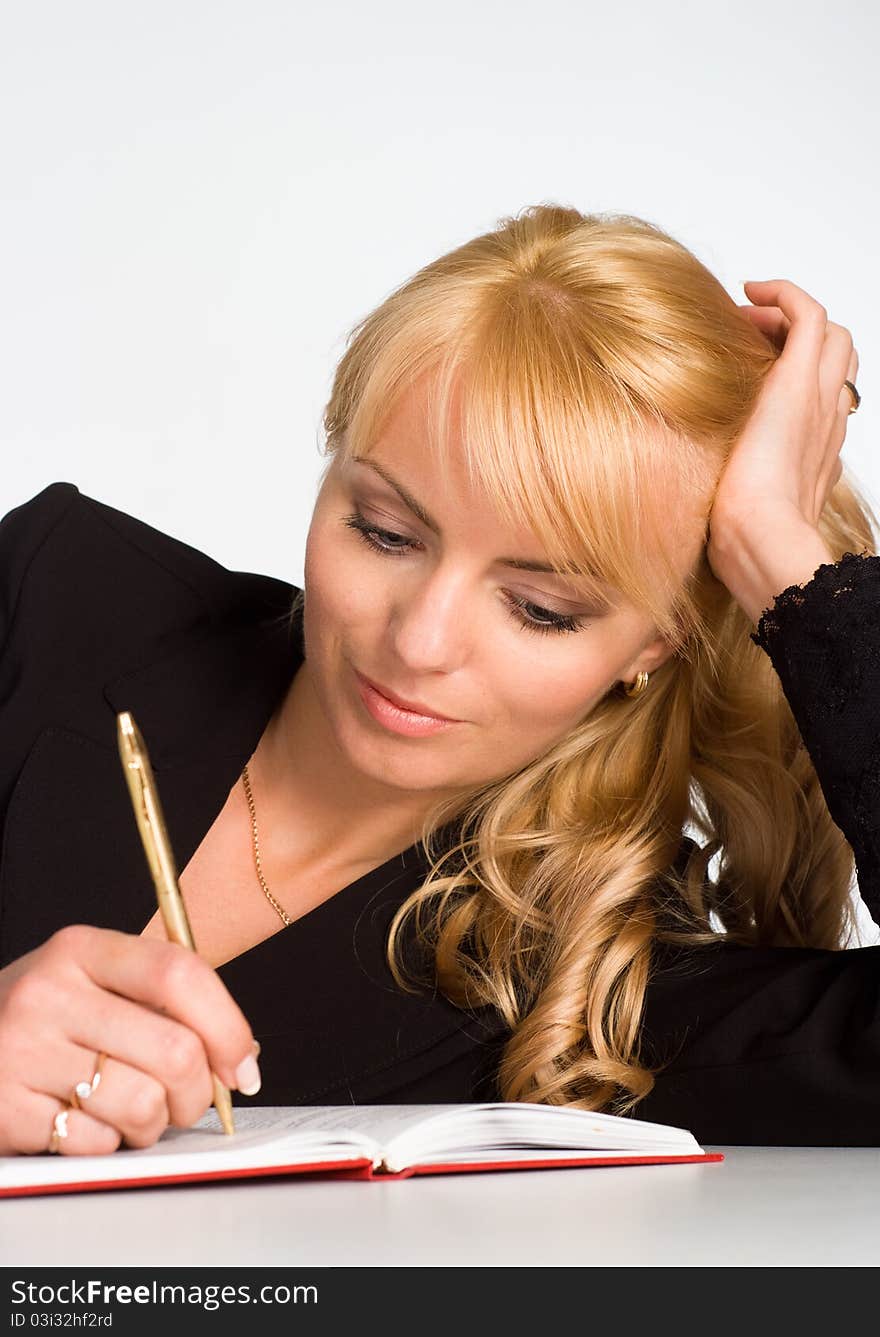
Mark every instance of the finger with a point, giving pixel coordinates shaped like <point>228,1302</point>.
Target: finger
<point>808,317</point>
<point>129,1100</point>
<point>159,1048</point>
<point>772,323</point>
<point>133,1102</point>
<point>834,366</point>
<point>85,1135</point>
<point>170,979</point>
<point>846,402</point>
<point>28,1119</point>
<point>837,435</point>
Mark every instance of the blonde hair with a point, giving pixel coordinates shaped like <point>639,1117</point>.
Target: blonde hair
<point>605,375</point>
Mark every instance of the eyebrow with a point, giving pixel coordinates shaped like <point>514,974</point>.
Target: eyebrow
<point>519,563</point>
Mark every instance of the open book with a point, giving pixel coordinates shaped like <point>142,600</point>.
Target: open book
<point>362,1142</point>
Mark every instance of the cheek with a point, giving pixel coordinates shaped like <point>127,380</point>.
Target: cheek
<point>343,585</point>
<point>546,694</point>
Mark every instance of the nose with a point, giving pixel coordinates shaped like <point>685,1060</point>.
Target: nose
<point>429,627</point>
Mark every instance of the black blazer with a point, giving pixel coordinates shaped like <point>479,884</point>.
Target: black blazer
<point>99,612</point>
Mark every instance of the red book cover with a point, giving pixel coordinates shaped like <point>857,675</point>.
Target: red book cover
<point>349,1169</point>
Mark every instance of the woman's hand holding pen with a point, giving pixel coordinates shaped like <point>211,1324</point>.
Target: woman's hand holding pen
<point>764,533</point>
<point>158,1011</point>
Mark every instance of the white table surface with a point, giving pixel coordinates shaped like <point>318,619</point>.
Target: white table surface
<point>761,1206</point>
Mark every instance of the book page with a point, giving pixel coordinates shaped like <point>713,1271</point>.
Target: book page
<point>414,1129</point>
<point>499,1129</point>
<point>378,1122</point>
<point>409,1134</point>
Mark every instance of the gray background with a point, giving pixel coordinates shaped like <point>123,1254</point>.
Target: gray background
<point>198,199</point>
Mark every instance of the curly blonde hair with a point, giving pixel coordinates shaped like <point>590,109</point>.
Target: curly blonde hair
<point>604,370</point>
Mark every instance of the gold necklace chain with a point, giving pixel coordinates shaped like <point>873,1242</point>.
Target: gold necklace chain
<point>256,842</point>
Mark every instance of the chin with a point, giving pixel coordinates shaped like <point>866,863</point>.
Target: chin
<point>390,760</point>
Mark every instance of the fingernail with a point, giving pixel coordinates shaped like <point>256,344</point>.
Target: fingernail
<point>256,1049</point>
<point>247,1076</point>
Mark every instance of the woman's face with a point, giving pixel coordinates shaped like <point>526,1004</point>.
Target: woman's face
<point>441,620</point>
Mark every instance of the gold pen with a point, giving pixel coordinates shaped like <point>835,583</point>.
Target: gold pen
<point>154,834</point>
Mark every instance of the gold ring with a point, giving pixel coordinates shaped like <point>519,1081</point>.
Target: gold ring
<point>856,397</point>
<point>59,1129</point>
<point>83,1090</point>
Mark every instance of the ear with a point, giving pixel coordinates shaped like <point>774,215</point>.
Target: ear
<point>649,658</point>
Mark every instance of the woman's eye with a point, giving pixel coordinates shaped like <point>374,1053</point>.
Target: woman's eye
<point>529,615</point>
<point>380,540</point>
<point>546,619</point>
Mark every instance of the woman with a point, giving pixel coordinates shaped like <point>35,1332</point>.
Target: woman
<point>588,511</point>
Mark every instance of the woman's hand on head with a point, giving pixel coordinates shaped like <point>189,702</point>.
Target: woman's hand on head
<point>160,1014</point>
<point>763,525</point>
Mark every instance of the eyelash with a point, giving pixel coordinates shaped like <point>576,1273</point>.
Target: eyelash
<point>557,622</point>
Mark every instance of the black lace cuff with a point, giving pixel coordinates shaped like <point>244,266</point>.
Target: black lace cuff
<point>823,639</point>
<point>848,575</point>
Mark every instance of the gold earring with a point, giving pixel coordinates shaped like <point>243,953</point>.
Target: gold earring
<point>640,685</point>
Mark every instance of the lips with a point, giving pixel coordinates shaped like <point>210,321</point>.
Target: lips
<point>415,706</point>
